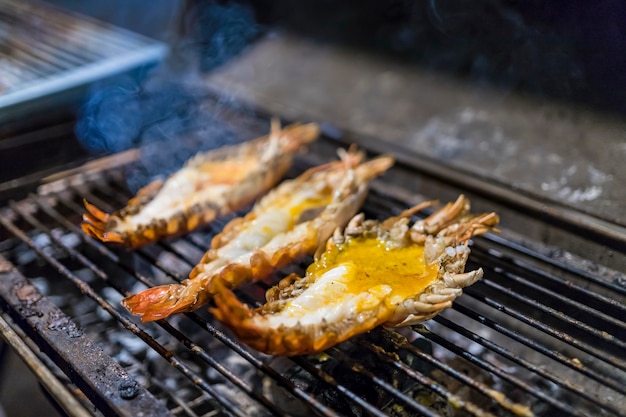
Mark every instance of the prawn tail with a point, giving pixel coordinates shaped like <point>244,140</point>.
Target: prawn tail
<point>94,224</point>
<point>94,214</point>
<point>97,231</point>
<point>161,302</point>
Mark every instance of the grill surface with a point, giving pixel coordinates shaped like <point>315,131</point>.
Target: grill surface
<point>541,334</point>
<point>45,52</point>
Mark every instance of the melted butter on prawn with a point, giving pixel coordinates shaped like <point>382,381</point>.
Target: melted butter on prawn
<point>290,222</point>
<point>373,273</point>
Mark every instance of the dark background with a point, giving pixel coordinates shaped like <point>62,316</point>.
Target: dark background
<point>565,50</point>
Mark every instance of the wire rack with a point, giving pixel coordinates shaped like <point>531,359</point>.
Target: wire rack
<point>538,335</point>
<point>45,51</point>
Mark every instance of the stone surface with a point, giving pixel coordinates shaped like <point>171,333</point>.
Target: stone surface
<point>541,148</point>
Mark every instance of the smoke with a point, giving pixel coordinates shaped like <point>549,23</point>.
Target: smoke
<point>168,121</point>
<point>222,31</point>
<point>111,119</point>
<point>166,113</point>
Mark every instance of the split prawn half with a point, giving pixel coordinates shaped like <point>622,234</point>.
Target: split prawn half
<point>371,274</point>
<point>292,221</point>
<point>210,185</point>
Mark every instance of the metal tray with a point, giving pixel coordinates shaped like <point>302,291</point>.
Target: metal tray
<point>48,56</point>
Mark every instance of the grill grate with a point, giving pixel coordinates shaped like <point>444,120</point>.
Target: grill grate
<point>46,51</point>
<point>537,336</point>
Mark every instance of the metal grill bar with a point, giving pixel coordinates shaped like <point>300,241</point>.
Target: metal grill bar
<point>46,52</point>
<point>178,335</point>
<point>192,346</point>
<point>499,372</point>
<point>587,276</point>
<point>586,347</point>
<point>557,356</point>
<point>37,60</point>
<point>22,67</point>
<point>60,33</point>
<point>410,402</point>
<point>600,311</point>
<point>85,26</point>
<point>402,343</point>
<point>88,291</point>
<point>178,277</point>
<point>571,300</point>
<point>73,352</point>
<point>332,382</point>
<point>301,394</point>
<point>47,379</point>
<point>507,354</point>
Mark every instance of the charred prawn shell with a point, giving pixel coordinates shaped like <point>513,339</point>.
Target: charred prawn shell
<point>290,222</point>
<point>210,184</point>
<point>370,274</point>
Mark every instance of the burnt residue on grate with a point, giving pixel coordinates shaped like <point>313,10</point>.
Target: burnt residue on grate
<point>538,336</point>
<point>104,382</point>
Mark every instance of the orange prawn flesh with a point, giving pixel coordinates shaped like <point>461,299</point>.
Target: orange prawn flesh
<point>211,184</point>
<point>371,274</point>
<point>290,222</point>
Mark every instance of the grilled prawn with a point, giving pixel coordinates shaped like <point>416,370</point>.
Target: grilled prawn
<point>373,273</point>
<point>210,184</point>
<point>290,222</point>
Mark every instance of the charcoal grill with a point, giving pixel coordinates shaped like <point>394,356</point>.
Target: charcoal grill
<point>542,334</point>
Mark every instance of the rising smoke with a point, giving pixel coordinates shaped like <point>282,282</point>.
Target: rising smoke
<point>162,111</point>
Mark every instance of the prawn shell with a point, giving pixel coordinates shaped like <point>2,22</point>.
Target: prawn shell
<point>340,186</point>
<point>444,235</point>
<point>261,176</point>
<point>288,340</point>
